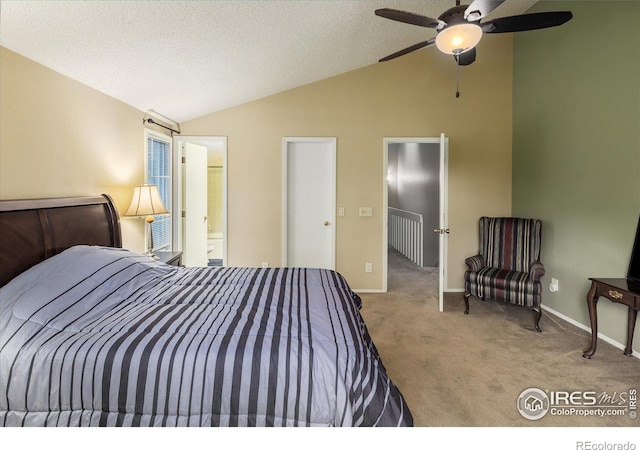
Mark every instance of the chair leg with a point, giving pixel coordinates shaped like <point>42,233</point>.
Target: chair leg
<point>536,318</point>
<point>466,302</point>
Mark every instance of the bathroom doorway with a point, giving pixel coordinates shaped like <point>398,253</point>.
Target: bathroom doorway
<point>215,209</point>
<point>213,241</point>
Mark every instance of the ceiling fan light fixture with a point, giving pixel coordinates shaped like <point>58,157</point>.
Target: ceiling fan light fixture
<point>456,39</point>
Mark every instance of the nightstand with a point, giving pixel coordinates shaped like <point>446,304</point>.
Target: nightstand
<point>171,258</point>
<point>617,290</point>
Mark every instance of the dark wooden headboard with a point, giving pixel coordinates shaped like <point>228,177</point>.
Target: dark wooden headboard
<point>34,230</point>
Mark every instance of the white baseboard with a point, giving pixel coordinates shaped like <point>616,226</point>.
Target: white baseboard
<point>607,339</point>
<point>454,290</point>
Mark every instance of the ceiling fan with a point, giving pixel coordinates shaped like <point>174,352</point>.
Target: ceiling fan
<point>459,28</point>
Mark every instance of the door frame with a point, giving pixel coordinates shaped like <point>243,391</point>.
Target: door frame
<point>332,142</point>
<point>178,184</point>
<point>443,141</point>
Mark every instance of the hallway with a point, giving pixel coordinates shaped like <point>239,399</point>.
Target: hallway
<point>406,277</point>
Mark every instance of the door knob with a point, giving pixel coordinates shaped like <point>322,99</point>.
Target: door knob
<point>326,223</point>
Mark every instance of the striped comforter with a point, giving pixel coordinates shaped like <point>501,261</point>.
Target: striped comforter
<point>105,337</point>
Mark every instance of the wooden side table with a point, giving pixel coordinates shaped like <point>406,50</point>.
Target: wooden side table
<point>171,258</point>
<point>618,290</point>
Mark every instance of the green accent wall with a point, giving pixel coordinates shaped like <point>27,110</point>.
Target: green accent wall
<point>576,150</point>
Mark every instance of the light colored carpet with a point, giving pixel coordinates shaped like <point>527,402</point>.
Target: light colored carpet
<point>458,370</point>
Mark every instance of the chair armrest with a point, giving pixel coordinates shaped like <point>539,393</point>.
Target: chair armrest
<point>475,263</point>
<point>536,271</point>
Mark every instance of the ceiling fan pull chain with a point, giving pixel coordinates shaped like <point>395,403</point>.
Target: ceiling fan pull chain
<point>458,76</point>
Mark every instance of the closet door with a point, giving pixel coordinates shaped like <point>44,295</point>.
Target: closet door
<point>309,191</point>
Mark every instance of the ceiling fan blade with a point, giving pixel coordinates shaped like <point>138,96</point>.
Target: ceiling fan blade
<point>413,48</point>
<point>407,17</point>
<point>527,22</point>
<point>481,8</point>
<point>466,58</point>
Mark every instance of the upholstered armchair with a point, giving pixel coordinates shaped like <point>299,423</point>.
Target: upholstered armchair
<point>508,267</point>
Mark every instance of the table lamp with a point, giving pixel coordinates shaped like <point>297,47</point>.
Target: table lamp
<point>146,203</point>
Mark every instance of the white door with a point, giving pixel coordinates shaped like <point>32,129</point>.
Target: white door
<point>195,206</point>
<point>444,219</point>
<point>309,180</point>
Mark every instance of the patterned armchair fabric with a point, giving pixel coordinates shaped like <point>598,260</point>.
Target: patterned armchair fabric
<point>508,266</point>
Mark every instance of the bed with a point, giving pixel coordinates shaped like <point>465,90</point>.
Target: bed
<point>92,334</point>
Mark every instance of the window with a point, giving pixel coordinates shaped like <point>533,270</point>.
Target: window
<point>159,173</point>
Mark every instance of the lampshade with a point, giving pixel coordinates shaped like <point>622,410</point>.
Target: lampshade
<point>456,39</point>
<point>146,202</point>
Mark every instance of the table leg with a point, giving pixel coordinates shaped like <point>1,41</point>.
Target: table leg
<point>633,313</point>
<point>592,300</point>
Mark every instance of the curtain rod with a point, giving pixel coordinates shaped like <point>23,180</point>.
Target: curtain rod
<point>150,120</point>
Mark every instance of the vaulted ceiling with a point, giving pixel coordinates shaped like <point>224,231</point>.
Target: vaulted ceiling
<point>188,58</point>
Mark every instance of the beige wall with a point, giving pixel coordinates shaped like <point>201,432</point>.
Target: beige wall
<point>60,138</point>
<point>413,96</point>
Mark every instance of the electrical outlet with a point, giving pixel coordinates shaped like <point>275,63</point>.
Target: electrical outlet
<point>368,267</point>
<point>553,287</point>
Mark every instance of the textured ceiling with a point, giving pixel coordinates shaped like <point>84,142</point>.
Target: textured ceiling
<point>185,59</point>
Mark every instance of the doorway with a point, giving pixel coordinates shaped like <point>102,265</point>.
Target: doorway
<point>308,202</point>
<point>415,196</point>
<point>201,193</point>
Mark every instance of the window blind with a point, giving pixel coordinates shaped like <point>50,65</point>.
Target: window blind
<point>159,173</point>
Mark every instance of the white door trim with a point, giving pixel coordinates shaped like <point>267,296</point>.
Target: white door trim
<point>442,140</point>
<point>178,142</point>
<point>332,142</point>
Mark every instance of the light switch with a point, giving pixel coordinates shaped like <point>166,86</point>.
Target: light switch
<point>341,211</point>
<point>366,211</point>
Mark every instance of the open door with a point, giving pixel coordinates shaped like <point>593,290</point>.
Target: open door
<point>196,189</point>
<point>443,229</point>
<point>195,206</point>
